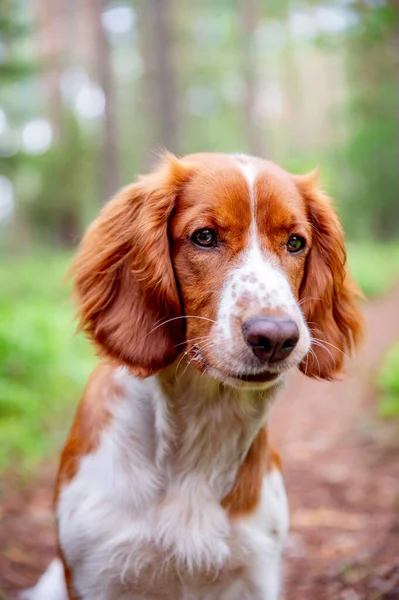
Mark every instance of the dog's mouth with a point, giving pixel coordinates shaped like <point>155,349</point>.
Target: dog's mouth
<point>263,377</point>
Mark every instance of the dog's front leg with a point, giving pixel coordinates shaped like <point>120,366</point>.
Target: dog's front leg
<point>262,585</point>
<point>249,591</point>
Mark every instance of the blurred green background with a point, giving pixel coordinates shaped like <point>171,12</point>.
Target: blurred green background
<point>91,91</point>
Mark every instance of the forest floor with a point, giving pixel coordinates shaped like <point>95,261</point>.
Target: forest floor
<point>341,469</point>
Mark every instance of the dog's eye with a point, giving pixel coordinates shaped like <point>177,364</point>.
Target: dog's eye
<point>296,243</point>
<point>206,238</point>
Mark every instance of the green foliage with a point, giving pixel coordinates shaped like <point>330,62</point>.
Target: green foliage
<point>56,189</point>
<point>43,367</point>
<point>18,69</point>
<point>65,175</point>
<point>388,383</point>
<point>356,141</point>
<point>374,266</point>
<point>369,182</point>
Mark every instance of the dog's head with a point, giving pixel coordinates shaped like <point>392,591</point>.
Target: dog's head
<point>229,259</point>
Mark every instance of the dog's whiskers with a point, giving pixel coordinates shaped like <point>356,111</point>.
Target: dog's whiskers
<point>176,319</point>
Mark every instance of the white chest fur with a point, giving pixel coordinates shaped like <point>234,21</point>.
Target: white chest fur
<point>142,518</point>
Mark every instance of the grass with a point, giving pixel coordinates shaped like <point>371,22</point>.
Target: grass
<point>388,384</point>
<point>374,266</point>
<point>44,367</point>
<point>376,269</point>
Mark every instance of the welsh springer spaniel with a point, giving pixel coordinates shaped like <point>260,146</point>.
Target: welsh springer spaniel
<point>202,285</point>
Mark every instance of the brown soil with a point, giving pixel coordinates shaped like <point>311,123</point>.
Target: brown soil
<point>341,468</point>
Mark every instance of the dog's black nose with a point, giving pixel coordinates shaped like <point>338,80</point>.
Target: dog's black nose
<point>271,338</point>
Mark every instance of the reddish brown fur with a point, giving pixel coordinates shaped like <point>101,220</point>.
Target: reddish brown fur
<point>281,212</point>
<point>328,293</point>
<point>246,492</point>
<point>220,200</point>
<point>124,277</point>
<point>91,417</point>
<point>68,578</point>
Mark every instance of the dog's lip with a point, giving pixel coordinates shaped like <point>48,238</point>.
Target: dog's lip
<point>262,377</point>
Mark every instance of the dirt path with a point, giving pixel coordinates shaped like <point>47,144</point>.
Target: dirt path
<point>341,469</point>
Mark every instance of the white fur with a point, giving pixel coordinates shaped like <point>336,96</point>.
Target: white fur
<point>249,168</point>
<point>129,521</point>
<point>51,586</point>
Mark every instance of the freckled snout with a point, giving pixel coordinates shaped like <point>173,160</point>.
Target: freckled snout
<point>272,339</point>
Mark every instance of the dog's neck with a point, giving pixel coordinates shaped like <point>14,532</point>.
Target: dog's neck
<point>204,428</point>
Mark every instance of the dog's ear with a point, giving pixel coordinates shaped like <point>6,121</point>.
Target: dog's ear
<point>328,294</point>
<point>127,296</point>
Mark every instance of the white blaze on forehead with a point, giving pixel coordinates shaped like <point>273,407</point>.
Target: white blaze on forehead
<point>257,278</point>
<point>250,170</point>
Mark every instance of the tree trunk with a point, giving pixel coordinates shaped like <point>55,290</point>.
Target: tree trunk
<point>109,163</point>
<point>249,16</point>
<point>160,71</point>
<point>51,41</point>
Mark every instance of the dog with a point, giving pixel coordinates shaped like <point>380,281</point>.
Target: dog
<point>202,286</point>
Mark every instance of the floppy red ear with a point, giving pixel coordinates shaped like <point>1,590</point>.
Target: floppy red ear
<point>123,275</point>
<point>328,294</point>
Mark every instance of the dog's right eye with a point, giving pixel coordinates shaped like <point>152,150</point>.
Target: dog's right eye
<point>206,238</point>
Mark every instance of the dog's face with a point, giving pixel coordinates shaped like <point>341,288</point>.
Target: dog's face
<point>240,237</point>
<point>229,259</point>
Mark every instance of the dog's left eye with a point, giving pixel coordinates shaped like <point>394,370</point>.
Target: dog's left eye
<point>206,238</point>
<point>296,243</point>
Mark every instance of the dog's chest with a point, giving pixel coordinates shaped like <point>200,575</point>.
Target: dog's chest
<point>129,528</point>
<point>183,549</point>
